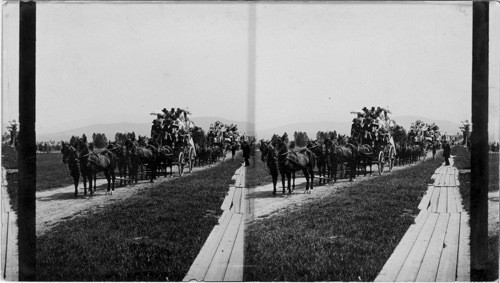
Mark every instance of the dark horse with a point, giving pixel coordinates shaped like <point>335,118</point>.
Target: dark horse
<point>344,154</point>
<point>294,160</point>
<point>92,163</point>
<point>165,156</point>
<point>71,159</point>
<point>120,152</point>
<point>141,155</point>
<point>269,156</point>
<point>321,152</point>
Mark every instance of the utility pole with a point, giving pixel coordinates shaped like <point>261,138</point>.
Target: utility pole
<point>27,141</point>
<point>479,141</point>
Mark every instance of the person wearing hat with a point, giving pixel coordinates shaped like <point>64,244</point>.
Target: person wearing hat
<point>356,129</point>
<point>246,153</point>
<point>367,131</point>
<point>446,152</point>
<point>156,131</point>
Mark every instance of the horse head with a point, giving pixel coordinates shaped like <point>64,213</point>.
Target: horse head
<point>263,150</point>
<point>280,146</point>
<point>65,151</point>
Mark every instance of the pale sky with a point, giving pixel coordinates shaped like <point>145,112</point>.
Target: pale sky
<point>116,62</point>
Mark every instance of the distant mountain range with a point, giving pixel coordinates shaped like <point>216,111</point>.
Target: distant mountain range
<point>139,128</point>
<point>311,128</point>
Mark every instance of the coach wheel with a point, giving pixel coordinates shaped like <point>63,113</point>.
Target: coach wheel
<point>391,158</point>
<point>191,159</point>
<point>381,162</point>
<point>181,163</point>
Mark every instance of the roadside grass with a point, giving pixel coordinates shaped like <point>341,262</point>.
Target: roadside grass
<point>51,172</point>
<point>493,173</point>
<point>462,161</point>
<point>462,157</point>
<point>9,161</point>
<point>152,236</point>
<point>257,173</point>
<point>9,157</point>
<point>492,265</point>
<point>346,237</point>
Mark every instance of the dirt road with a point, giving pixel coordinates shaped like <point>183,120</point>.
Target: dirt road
<point>266,204</point>
<point>59,204</point>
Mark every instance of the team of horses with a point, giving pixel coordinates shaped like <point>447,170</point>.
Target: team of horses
<point>210,154</point>
<point>127,159</point>
<point>328,156</point>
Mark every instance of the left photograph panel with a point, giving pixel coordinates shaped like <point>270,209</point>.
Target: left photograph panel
<point>142,132</point>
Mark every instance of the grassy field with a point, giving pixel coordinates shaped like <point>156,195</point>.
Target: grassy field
<point>347,237</point>
<point>51,172</point>
<point>153,236</point>
<point>257,174</point>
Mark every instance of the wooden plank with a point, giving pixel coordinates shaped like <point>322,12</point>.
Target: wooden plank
<point>448,264</point>
<point>243,203</point>
<point>452,200</point>
<point>410,268</point>
<point>219,264</point>
<point>441,179</point>
<point>223,216</point>
<point>438,180</point>
<point>434,199</point>
<point>234,272</point>
<point>230,196</point>
<point>429,268</point>
<point>422,214</point>
<point>243,176</point>
<point>236,201</point>
<point>458,198</point>
<point>463,265</point>
<point>202,262</point>
<point>443,199</point>
<point>393,265</point>
<point>226,204</point>
<point>424,203</point>
<point>453,180</point>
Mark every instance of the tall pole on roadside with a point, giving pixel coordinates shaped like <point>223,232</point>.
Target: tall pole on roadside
<point>27,141</point>
<point>479,141</point>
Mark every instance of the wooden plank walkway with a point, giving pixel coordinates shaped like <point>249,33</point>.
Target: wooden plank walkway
<point>221,257</point>
<point>437,246</point>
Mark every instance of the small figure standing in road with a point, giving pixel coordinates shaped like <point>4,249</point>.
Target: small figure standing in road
<point>446,153</point>
<point>246,153</point>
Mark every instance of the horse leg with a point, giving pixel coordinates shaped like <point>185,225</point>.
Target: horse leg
<point>311,173</point>
<point>153,172</point>
<point>293,176</point>
<point>323,173</point>
<point>352,174</point>
<point>275,181</point>
<point>93,176</point>
<point>108,178</point>
<point>113,179</point>
<point>75,181</point>
<point>283,177</point>
<point>289,177</point>
<point>335,169</point>
<point>84,176</point>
